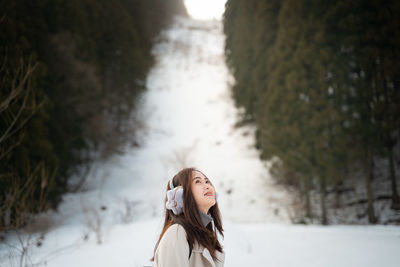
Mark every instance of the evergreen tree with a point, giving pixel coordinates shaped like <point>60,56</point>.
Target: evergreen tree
<point>319,79</point>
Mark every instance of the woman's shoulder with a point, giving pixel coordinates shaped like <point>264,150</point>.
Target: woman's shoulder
<point>175,232</point>
<point>174,239</point>
<point>176,228</point>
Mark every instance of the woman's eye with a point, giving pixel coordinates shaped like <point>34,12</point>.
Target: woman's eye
<point>198,181</point>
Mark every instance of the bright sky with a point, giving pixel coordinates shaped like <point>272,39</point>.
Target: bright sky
<point>205,9</point>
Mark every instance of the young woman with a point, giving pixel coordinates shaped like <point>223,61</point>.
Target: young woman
<point>192,218</point>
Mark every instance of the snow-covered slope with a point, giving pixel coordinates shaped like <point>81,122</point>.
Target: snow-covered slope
<point>191,119</point>
<point>188,120</point>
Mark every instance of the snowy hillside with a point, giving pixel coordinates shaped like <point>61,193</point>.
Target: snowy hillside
<point>188,120</point>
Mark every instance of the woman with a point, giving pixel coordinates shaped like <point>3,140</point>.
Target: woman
<point>192,218</point>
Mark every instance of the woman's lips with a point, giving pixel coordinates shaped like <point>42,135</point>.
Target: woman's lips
<point>209,194</point>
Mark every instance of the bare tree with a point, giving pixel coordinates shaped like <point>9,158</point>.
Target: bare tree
<point>20,89</point>
<point>93,219</point>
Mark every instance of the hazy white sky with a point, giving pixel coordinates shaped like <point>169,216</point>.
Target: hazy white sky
<point>205,9</point>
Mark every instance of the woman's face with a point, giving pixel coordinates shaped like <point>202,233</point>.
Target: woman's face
<point>203,191</point>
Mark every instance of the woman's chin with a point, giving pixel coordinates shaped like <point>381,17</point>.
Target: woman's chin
<point>212,202</point>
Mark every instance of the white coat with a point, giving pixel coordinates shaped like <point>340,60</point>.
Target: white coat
<point>173,251</point>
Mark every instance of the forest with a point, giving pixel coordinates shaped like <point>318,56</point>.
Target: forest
<point>71,74</point>
<point>321,82</point>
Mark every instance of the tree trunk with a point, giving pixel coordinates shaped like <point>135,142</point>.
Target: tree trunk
<point>368,186</point>
<point>324,219</point>
<point>395,195</point>
<point>390,143</point>
<point>308,200</point>
<point>337,197</point>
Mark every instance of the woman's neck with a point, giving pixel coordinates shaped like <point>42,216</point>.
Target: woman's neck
<point>205,218</point>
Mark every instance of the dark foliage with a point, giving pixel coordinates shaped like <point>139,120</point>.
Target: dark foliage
<point>71,72</point>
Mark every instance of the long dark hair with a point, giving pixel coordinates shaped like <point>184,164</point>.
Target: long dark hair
<point>190,218</point>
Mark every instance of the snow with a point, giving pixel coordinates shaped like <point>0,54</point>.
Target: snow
<point>189,120</point>
<point>205,9</point>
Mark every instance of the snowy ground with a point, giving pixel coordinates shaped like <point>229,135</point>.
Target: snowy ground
<point>189,119</point>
